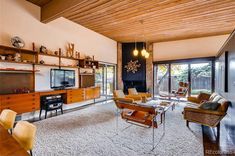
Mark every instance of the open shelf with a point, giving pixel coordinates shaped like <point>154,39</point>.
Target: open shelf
<point>69,66</point>
<point>17,70</point>
<point>52,65</point>
<point>6,61</point>
<point>17,49</point>
<point>51,55</point>
<point>71,58</point>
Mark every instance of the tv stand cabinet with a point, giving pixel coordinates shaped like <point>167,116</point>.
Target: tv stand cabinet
<point>30,102</point>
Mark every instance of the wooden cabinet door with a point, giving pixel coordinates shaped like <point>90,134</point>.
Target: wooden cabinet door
<point>89,93</point>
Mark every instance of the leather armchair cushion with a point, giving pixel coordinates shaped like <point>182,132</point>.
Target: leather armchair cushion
<point>132,91</point>
<point>7,118</point>
<point>24,133</point>
<point>119,94</point>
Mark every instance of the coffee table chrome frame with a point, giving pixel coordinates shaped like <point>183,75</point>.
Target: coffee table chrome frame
<point>118,112</point>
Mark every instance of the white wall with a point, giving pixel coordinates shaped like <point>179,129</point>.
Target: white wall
<point>190,48</point>
<point>22,18</point>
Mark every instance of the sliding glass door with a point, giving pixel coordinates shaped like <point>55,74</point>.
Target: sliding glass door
<point>105,78</point>
<point>161,79</point>
<point>201,78</point>
<point>196,72</point>
<point>110,80</point>
<point>99,78</point>
<point>179,73</point>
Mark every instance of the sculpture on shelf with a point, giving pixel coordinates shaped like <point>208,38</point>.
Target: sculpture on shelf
<point>17,42</point>
<point>43,49</point>
<point>56,53</point>
<point>41,62</point>
<point>33,45</point>
<point>77,55</point>
<point>70,50</point>
<point>17,57</point>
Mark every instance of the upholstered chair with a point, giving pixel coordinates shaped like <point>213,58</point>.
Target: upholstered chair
<point>119,95</point>
<point>145,96</point>
<point>24,133</point>
<point>7,119</point>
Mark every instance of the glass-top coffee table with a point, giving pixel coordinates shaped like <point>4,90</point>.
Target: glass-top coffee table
<point>162,106</point>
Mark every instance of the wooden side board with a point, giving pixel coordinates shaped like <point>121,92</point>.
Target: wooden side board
<point>82,94</point>
<point>30,102</point>
<point>21,103</point>
<point>75,95</point>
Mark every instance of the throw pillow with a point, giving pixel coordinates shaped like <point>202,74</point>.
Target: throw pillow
<point>209,105</point>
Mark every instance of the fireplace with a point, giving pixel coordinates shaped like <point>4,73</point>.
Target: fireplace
<point>139,85</point>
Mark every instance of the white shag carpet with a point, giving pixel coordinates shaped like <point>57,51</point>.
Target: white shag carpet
<point>92,132</point>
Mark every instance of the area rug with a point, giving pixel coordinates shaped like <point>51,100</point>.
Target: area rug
<point>92,132</point>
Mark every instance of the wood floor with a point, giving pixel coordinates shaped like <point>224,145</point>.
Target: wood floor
<point>225,145</point>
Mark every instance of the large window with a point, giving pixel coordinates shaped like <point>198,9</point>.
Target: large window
<point>198,73</point>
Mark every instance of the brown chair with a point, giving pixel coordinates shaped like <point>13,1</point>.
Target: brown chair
<point>118,94</point>
<point>209,118</point>
<point>145,96</point>
<point>137,114</point>
<point>182,91</point>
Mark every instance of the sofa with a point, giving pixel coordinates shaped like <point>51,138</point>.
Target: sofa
<point>211,118</point>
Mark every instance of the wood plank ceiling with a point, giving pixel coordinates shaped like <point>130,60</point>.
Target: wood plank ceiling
<point>163,20</point>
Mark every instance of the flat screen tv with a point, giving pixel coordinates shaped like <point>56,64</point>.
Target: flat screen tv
<point>61,78</point>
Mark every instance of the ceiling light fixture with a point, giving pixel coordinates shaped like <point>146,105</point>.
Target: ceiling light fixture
<point>144,52</point>
<point>135,52</point>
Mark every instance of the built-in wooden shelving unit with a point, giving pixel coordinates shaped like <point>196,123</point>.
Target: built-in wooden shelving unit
<point>31,57</point>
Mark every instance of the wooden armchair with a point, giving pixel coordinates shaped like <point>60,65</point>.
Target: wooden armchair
<point>140,115</point>
<point>119,95</point>
<point>145,96</point>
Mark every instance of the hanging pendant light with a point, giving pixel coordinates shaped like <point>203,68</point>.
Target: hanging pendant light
<point>143,51</point>
<point>146,55</point>
<point>135,52</point>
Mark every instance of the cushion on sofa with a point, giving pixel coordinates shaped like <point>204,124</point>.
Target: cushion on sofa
<point>217,98</point>
<point>212,96</point>
<point>209,105</point>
